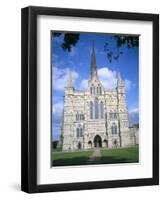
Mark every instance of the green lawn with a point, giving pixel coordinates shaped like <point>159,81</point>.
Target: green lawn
<point>70,158</point>
<point>120,155</point>
<point>108,156</point>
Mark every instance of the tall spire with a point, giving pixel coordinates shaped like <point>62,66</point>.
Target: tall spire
<point>69,79</point>
<point>93,62</point>
<point>119,76</point>
<point>120,82</point>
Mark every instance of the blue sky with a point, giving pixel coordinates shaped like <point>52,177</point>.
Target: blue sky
<point>78,61</point>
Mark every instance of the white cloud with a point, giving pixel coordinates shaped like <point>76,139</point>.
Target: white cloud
<point>134,116</point>
<point>56,62</point>
<point>134,110</point>
<point>107,77</point>
<point>57,109</point>
<point>57,115</point>
<point>84,84</point>
<point>60,77</point>
<point>128,84</point>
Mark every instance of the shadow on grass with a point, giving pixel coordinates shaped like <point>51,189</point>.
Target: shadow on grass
<point>71,161</point>
<point>85,161</point>
<point>114,160</point>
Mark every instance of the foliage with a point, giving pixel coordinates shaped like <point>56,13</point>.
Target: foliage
<point>69,40</point>
<point>136,125</point>
<point>121,41</point>
<point>55,143</point>
<point>129,41</point>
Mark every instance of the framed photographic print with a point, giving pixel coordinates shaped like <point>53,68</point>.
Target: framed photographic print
<point>90,99</point>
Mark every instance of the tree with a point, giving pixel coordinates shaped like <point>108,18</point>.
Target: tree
<point>121,41</point>
<point>71,39</point>
<point>55,143</point>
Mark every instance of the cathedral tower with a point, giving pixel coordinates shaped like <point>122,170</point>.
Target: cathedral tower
<point>122,110</point>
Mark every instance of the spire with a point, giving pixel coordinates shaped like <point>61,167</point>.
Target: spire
<point>69,79</point>
<point>120,82</point>
<point>93,62</point>
<point>119,76</point>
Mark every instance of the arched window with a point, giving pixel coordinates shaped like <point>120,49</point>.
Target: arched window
<point>115,115</point>
<point>77,116</point>
<point>96,109</point>
<point>100,91</point>
<point>91,90</point>
<point>97,90</point>
<point>111,115</point>
<point>91,110</point>
<point>82,117</point>
<point>81,132</point>
<point>106,115</point>
<point>114,129</point>
<point>102,110</point>
<point>78,132</point>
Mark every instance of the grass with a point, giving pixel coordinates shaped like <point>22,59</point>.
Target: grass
<point>120,155</point>
<point>71,158</point>
<point>108,156</point>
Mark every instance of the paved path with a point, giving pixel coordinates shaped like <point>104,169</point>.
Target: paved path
<point>95,157</point>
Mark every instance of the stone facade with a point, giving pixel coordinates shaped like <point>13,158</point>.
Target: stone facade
<point>95,117</point>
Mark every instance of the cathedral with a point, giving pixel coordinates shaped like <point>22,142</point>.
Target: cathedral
<point>96,117</point>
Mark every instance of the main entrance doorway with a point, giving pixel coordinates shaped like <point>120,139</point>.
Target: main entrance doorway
<point>97,141</point>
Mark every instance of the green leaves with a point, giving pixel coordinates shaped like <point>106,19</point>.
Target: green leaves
<point>121,41</point>
<point>129,41</point>
<point>69,40</point>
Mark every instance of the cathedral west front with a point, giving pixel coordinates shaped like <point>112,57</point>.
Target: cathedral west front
<point>96,117</point>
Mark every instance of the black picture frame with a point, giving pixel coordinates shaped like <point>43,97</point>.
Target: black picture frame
<point>29,99</point>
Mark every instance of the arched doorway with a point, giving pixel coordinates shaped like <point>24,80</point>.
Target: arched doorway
<point>89,144</point>
<point>79,145</point>
<point>115,143</point>
<point>97,141</point>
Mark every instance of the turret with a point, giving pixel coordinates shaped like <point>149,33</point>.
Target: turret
<point>121,93</point>
<point>69,79</point>
<point>69,86</point>
<point>120,85</point>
